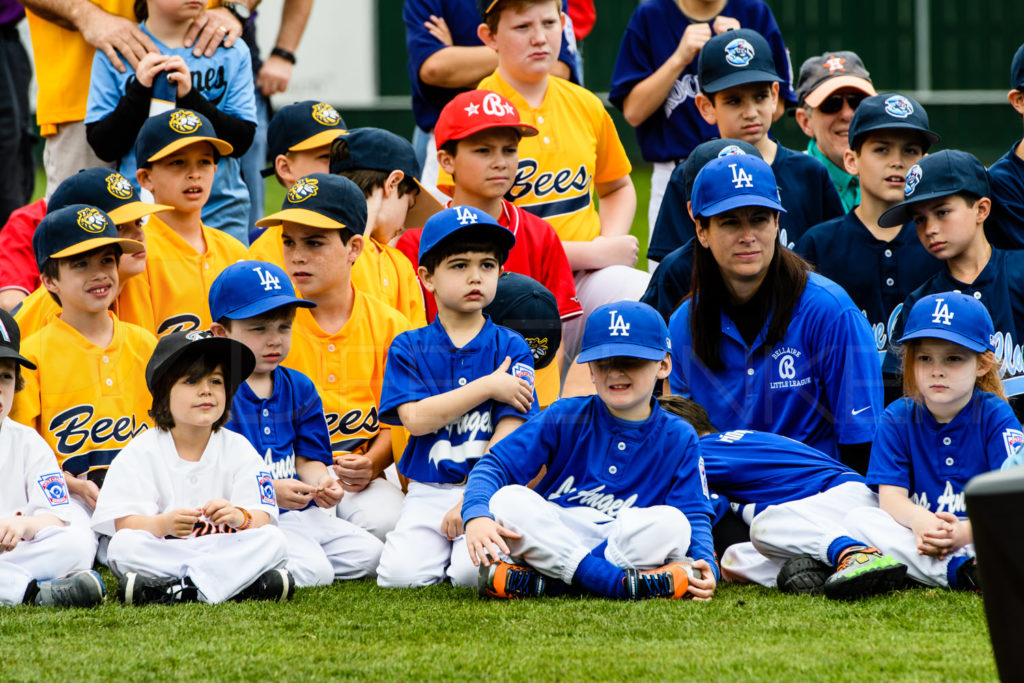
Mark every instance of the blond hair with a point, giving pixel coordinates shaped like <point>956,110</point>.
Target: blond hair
<point>988,381</point>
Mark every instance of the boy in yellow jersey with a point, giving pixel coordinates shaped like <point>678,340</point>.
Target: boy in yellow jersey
<point>86,397</point>
<point>177,154</point>
<point>341,344</point>
<point>110,192</point>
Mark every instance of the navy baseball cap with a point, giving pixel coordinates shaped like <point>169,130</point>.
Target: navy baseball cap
<point>1017,69</point>
<point>733,181</point>
<point>108,191</point>
<point>322,200</point>
<point>484,7</point>
<point>10,341</point>
<point>469,223</point>
<point>823,75</point>
<point>300,126</point>
<point>76,229</point>
<point>712,149</point>
<point>954,317</point>
<point>938,175</point>
<point>735,58</point>
<point>626,328</point>
<point>166,133</point>
<point>528,307</point>
<point>381,150</point>
<point>888,111</point>
<point>234,357</point>
<point>246,289</point>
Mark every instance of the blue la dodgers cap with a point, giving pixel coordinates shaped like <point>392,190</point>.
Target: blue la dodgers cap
<point>166,133</point>
<point>954,317</point>
<point>625,328</point>
<point>468,223</point>
<point>108,191</point>
<point>1017,69</point>
<point>712,149</point>
<point>322,200</point>
<point>938,175</point>
<point>735,58</point>
<point>246,289</point>
<point>887,111</point>
<point>76,229</point>
<point>300,126</point>
<point>734,181</point>
<point>528,307</point>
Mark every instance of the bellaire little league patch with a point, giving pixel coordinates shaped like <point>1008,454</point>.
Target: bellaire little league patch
<point>54,488</point>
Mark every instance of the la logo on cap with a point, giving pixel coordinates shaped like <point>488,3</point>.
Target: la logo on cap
<point>739,52</point>
<point>742,178</point>
<point>267,279</point>
<point>118,186</point>
<point>184,121</point>
<point>941,313</point>
<point>91,220</point>
<point>834,64</point>
<point>303,189</point>
<point>325,114</point>
<point>618,326</point>
<point>465,215</point>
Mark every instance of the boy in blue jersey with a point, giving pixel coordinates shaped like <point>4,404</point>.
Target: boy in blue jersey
<point>1007,174</point>
<point>623,503</point>
<point>458,385</point>
<point>280,412</point>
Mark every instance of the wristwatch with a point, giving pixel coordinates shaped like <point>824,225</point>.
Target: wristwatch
<point>239,9</point>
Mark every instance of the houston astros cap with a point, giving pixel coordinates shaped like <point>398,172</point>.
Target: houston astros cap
<point>1017,69</point>
<point>732,181</point>
<point>234,357</point>
<point>471,112</point>
<point>76,229</point>
<point>887,111</point>
<point>246,289</point>
<point>166,133</point>
<point>322,200</point>
<point>735,58</point>
<point>626,328</point>
<point>300,126</point>
<point>823,75</point>
<point>381,150</point>
<point>712,149</point>
<point>469,223</point>
<point>938,175</point>
<point>10,341</point>
<point>954,317</point>
<point>526,306</point>
<point>108,191</point>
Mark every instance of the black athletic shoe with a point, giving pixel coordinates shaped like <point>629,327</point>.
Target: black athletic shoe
<point>84,589</point>
<point>136,589</point>
<point>967,576</point>
<point>276,585</point>
<point>803,575</point>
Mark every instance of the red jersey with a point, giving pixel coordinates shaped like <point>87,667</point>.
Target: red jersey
<point>18,268</point>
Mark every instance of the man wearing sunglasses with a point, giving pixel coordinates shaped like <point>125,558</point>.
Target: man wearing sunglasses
<point>829,88</point>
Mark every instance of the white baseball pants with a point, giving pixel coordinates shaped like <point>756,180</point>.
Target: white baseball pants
<point>322,548</point>
<point>376,508</point>
<point>55,552</point>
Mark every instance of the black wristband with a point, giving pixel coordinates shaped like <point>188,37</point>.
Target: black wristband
<point>283,54</point>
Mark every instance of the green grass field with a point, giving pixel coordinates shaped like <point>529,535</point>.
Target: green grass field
<point>357,630</point>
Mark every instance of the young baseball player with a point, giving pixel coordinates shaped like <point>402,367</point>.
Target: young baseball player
<point>84,397</point>
<point>44,559</point>
<point>177,154</point>
<point>190,507</point>
<point>280,412</point>
<point>1006,231</point>
<point>623,505</point>
<point>794,498</point>
<point>877,266</point>
<point>953,423</point>
<point>947,196</point>
<point>219,87</point>
<point>342,343</point>
<point>458,385</point>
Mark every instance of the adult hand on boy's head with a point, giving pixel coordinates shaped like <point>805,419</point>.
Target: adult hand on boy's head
<point>210,28</point>
<point>292,494</point>
<point>115,36</point>
<point>485,540</point>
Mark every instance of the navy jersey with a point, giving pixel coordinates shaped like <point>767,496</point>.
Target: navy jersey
<point>463,19</point>
<point>671,281</point>
<point>423,363</point>
<point>653,34</point>
<point>877,275</point>
<point>767,469</point>
<point>291,422</point>
<point>935,461</point>
<point>1005,227</point>
<point>595,461</point>
<point>820,385</point>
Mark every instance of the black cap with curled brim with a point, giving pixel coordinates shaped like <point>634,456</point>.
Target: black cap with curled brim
<point>528,307</point>
<point>236,360</point>
<point>10,341</point>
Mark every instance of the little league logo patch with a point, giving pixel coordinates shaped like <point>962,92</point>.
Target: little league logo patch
<point>266,484</point>
<point>913,178</point>
<point>899,106</point>
<point>325,114</point>
<point>1013,439</point>
<point>91,220</point>
<point>729,151</point>
<point>739,52</point>
<point>185,122</point>
<point>303,189</point>
<point>118,186</point>
<point>523,371</point>
<point>54,488</point>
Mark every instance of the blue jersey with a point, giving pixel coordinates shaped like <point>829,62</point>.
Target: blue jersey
<point>463,19</point>
<point>225,80</point>
<point>653,34</point>
<point>423,363</point>
<point>877,275</point>
<point>670,282</point>
<point>765,469</point>
<point>289,423</point>
<point>595,461</point>
<point>935,461</point>
<point>820,385</point>
<point>1005,227</point>
<point>805,187</point>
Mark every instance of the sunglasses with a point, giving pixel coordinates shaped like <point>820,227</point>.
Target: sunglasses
<point>834,103</point>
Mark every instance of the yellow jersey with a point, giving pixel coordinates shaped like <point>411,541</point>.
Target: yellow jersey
<point>39,308</point>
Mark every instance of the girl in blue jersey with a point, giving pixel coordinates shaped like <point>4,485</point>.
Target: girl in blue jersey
<point>952,424</point>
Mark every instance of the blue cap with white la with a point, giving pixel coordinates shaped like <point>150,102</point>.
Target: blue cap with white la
<point>247,289</point>
<point>624,329</point>
<point>734,181</point>
<point>954,317</point>
<point>472,223</point>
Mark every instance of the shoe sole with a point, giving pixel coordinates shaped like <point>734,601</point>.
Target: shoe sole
<point>803,575</point>
<point>286,585</point>
<point>129,588</point>
<point>868,582</point>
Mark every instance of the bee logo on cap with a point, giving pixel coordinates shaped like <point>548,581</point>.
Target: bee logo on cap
<point>899,106</point>
<point>91,220</point>
<point>303,189</point>
<point>325,114</point>
<point>739,52</point>
<point>730,151</point>
<point>185,122</point>
<point>913,178</point>
<point>118,186</point>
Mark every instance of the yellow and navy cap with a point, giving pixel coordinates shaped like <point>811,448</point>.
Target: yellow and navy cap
<point>300,126</point>
<point>108,191</point>
<point>76,229</point>
<point>166,133</point>
<point>322,200</point>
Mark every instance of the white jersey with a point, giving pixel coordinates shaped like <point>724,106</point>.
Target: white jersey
<point>32,482</point>
<point>148,478</point>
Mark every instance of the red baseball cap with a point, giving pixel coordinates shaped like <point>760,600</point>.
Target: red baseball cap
<point>474,111</point>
